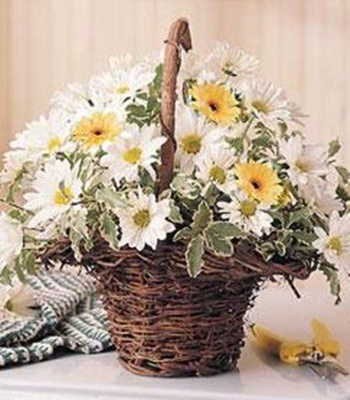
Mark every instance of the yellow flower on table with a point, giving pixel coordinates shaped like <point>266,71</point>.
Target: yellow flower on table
<point>216,103</point>
<point>97,129</point>
<point>259,181</point>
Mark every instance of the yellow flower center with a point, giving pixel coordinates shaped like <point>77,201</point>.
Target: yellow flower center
<point>248,208</point>
<point>54,144</point>
<point>63,197</point>
<point>191,143</point>
<point>142,218</point>
<point>217,174</point>
<point>215,102</point>
<point>260,106</point>
<point>335,244</point>
<point>97,129</point>
<point>302,166</point>
<point>122,89</point>
<point>133,155</point>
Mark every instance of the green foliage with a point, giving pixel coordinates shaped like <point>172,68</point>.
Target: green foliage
<point>109,230</point>
<point>194,254</point>
<point>331,274</point>
<point>333,147</point>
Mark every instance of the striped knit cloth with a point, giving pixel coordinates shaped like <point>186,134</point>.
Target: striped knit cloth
<point>70,318</point>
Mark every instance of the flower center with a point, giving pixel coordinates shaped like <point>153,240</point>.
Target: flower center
<point>191,143</point>
<point>213,105</point>
<point>63,197</point>
<point>260,106</point>
<point>122,89</point>
<point>302,166</point>
<point>54,143</point>
<point>133,155</point>
<point>217,174</point>
<point>248,208</point>
<point>142,218</point>
<point>256,184</point>
<point>335,244</point>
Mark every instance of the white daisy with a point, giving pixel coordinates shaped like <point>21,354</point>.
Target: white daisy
<point>143,222</point>
<point>232,61</point>
<point>335,246</point>
<point>247,214</point>
<point>56,189</point>
<point>305,162</point>
<point>269,103</point>
<point>193,135</point>
<point>136,147</point>
<point>215,165</point>
<point>18,301</point>
<point>14,162</point>
<point>45,136</point>
<point>76,99</point>
<point>194,67</point>
<point>122,84</point>
<point>321,195</point>
<point>11,240</point>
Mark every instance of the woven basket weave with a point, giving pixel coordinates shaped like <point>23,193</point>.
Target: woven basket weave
<point>163,322</point>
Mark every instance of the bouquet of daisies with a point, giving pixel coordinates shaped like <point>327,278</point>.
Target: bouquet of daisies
<point>243,177</point>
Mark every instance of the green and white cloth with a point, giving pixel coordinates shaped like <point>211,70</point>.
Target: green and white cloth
<point>70,318</point>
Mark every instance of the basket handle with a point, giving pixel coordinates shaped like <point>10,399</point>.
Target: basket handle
<point>179,36</point>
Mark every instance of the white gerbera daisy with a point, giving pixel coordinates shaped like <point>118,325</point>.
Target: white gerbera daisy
<point>56,189</point>
<point>11,240</point>
<point>269,103</point>
<point>45,136</point>
<point>136,147</point>
<point>305,162</point>
<point>232,61</point>
<point>143,221</point>
<point>193,135</point>
<point>335,246</point>
<point>18,301</point>
<point>247,214</point>
<point>215,165</point>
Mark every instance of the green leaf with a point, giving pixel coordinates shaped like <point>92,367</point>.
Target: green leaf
<point>219,245</point>
<point>194,255</point>
<point>304,237</point>
<point>110,197</point>
<point>183,234</point>
<point>331,274</point>
<point>298,215</point>
<point>109,230</point>
<point>175,213</point>
<point>333,147</point>
<point>343,172</point>
<point>225,230</point>
<point>281,248</point>
<point>202,218</point>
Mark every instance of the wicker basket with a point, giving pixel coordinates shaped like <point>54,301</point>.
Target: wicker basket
<point>163,322</point>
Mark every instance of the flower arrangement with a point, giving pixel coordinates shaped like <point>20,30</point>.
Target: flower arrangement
<point>244,178</point>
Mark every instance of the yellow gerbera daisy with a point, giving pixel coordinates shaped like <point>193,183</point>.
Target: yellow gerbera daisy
<point>259,181</point>
<point>97,129</point>
<point>216,102</point>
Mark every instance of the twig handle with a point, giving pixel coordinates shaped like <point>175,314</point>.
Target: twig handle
<point>179,36</point>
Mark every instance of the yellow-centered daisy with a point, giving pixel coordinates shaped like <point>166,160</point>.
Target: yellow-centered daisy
<point>216,102</point>
<point>259,181</point>
<point>97,129</point>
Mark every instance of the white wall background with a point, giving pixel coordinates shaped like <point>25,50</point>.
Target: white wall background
<point>304,45</point>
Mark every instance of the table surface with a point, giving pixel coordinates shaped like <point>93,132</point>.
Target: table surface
<point>99,377</point>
